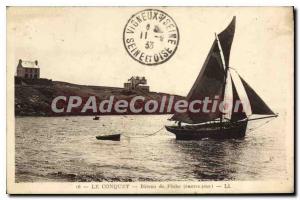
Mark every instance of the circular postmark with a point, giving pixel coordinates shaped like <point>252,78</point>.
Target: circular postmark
<point>151,37</point>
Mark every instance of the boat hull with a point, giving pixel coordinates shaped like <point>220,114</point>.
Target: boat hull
<point>115,137</point>
<point>214,132</point>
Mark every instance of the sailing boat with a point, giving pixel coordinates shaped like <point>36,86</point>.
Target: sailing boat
<point>217,79</point>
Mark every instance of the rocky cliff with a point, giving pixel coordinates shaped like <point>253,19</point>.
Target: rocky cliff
<point>34,97</point>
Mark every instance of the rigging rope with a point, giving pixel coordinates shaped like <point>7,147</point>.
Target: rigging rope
<point>261,125</point>
<point>155,132</point>
<point>144,136</point>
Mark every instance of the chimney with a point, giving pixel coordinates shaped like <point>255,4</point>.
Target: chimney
<point>20,63</point>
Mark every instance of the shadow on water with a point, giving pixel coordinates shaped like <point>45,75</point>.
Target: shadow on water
<point>212,159</point>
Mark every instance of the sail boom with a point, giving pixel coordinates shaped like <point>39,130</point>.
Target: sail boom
<point>263,117</point>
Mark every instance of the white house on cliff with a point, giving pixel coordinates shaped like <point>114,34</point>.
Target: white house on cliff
<point>28,69</point>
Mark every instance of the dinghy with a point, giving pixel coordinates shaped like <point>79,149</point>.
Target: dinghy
<point>114,137</point>
<point>96,118</point>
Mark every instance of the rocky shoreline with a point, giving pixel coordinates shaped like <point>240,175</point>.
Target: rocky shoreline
<point>34,97</point>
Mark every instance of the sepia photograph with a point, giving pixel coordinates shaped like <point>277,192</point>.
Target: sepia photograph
<point>150,100</point>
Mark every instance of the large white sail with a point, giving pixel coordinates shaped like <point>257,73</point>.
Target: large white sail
<point>228,99</point>
<point>241,92</point>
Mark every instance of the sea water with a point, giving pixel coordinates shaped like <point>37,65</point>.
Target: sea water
<point>65,149</point>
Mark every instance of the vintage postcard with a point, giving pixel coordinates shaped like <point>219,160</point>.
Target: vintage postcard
<point>150,100</point>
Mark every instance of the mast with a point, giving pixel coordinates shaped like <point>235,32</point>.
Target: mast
<point>224,40</point>
<point>226,71</point>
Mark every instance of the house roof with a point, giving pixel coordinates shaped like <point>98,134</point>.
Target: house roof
<point>29,64</point>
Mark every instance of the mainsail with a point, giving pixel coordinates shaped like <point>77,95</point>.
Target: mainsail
<point>211,79</point>
<point>209,83</point>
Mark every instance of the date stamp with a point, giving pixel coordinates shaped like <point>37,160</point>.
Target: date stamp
<point>151,37</point>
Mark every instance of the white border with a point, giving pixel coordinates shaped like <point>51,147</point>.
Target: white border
<point>5,3</point>
<point>148,3</point>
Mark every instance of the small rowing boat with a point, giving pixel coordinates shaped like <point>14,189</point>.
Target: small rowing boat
<point>114,137</point>
<point>96,118</point>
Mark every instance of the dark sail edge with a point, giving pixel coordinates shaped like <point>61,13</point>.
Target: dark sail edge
<point>240,114</point>
<point>226,38</point>
<point>258,106</point>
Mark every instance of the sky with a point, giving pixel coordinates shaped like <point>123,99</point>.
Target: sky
<point>84,45</point>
